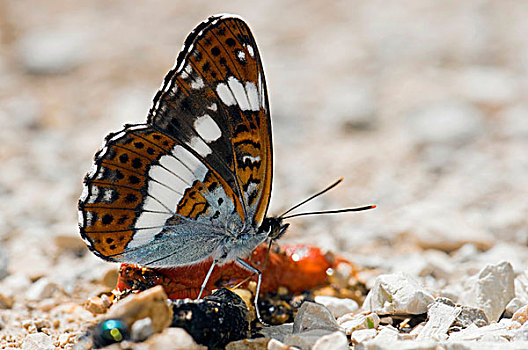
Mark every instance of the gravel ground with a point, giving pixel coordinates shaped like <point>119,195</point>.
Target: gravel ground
<point>420,106</point>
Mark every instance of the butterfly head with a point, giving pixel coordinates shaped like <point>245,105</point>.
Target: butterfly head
<point>273,227</point>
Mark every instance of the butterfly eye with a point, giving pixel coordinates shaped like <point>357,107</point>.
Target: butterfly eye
<point>280,231</point>
<point>276,229</point>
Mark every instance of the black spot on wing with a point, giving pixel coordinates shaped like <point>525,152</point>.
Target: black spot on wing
<point>255,144</point>
<point>240,128</point>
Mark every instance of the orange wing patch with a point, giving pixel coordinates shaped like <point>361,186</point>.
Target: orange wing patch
<point>194,203</point>
<point>115,192</point>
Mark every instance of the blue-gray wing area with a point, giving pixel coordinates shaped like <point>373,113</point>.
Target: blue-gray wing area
<point>179,244</point>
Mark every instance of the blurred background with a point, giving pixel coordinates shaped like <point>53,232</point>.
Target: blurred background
<point>420,105</point>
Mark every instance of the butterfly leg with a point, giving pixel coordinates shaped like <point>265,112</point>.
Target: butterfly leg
<point>248,267</point>
<point>207,279</point>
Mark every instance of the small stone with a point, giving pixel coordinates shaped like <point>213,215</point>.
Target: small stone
<point>141,329</point>
<point>37,341</point>
<point>150,303</point>
<point>248,344</point>
<point>514,305</point>
<point>362,335</point>
<point>352,323</point>
<point>440,316</point>
<point>274,344</point>
<point>491,289</point>
<point>471,315</point>
<point>314,316</point>
<point>336,340</point>
<point>397,293</point>
<point>306,340</point>
<point>521,315</point>
<point>475,333</point>
<point>278,332</point>
<point>387,334</point>
<point>43,288</point>
<point>337,306</point>
<point>97,305</point>
<point>174,339</point>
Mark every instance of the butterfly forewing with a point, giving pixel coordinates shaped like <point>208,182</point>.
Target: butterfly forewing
<point>200,169</point>
<point>220,88</point>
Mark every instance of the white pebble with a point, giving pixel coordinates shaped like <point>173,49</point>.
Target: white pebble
<point>491,289</point>
<point>397,293</point>
<point>37,341</point>
<point>352,323</point>
<point>333,341</point>
<point>337,306</point>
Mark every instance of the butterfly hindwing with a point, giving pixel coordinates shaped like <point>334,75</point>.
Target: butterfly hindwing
<point>167,193</point>
<point>141,181</point>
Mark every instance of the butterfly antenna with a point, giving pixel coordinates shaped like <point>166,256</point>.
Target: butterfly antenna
<point>312,197</point>
<point>346,210</point>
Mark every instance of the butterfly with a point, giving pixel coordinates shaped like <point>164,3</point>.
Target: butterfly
<point>193,183</point>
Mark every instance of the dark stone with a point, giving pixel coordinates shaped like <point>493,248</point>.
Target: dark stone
<point>214,321</point>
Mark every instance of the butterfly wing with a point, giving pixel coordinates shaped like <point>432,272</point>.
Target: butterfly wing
<point>169,192</point>
<point>218,92</point>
